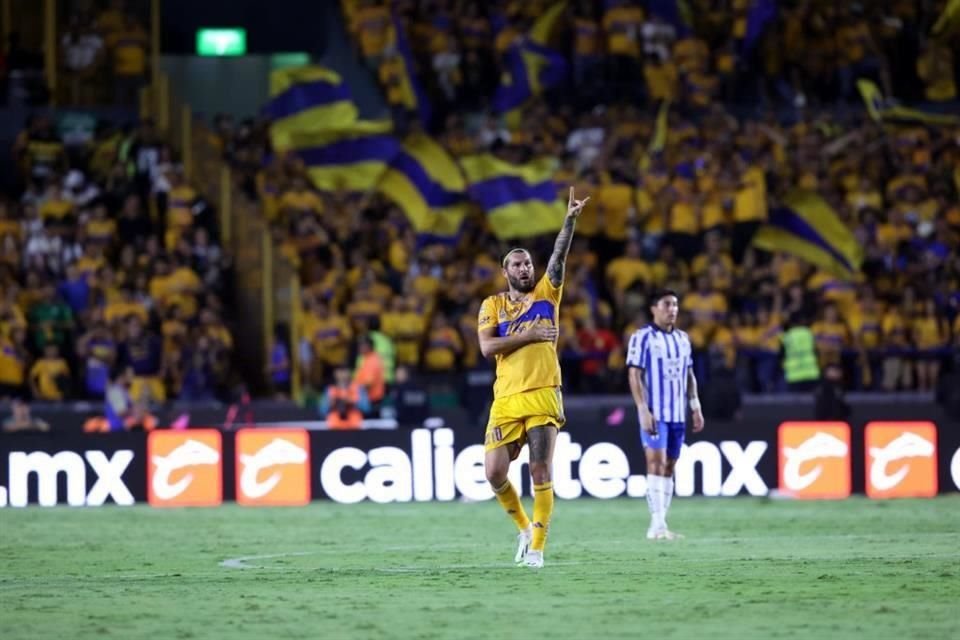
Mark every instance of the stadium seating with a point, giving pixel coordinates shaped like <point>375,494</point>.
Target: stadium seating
<point>112,273</point>
<point>677,198</point>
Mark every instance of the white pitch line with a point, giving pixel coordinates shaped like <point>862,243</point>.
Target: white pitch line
<point>241,562</point>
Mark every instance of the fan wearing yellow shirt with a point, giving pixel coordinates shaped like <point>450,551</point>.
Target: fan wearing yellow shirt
<point>931,336</point>
<point>330,334</point>
<point>624,271</point>
<point>832,337</point>
<point>749,208</point>
<point>519,329</point>
<point>623,25</point>
<point>127,305</point>
<point>57,209</point>
<point>13,363</point>
<point>128,49</point>
<point>444,346</point>
<point>896,368</point>
<point>100,228</point>
<point>706,306</point>
<point>179,213</point>
<point>865,320</point>
<point>50,375</point>
<point>767,330</point>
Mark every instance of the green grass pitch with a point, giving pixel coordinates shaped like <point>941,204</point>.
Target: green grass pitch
<point>748,568</point>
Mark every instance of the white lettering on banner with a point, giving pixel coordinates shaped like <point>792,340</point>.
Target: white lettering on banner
<point>907,445</point>
<point>47,467</point>
<point>109,482</point>
<point>422,465</point>
<point>603,470</point>
<point>955,469</point>
<point>821,445</point>
<point>711,469</point>
<point>390,479</point>
<point>469,476</point>
<point>190,454</point>
<point>743,468</point>
<point>278,452</point>
<point>564,455</point>
<point>109,473</point>
<point>331,475</point>
<point>443,464</point>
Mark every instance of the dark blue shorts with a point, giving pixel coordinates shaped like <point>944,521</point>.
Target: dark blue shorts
<point>669,435</point>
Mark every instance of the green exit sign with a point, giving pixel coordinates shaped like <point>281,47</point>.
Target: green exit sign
<point>221,42</point>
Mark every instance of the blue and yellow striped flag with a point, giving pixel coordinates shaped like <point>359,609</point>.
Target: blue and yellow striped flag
<point>310,98</point>
<point>353,157</point>
<point>532,66</point>
<point>807,227</point>
<point>426,182</point>
<point>520,200</point>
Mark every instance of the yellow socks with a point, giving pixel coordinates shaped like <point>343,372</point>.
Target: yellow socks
<point>542,510</point>
<point>510,501</point>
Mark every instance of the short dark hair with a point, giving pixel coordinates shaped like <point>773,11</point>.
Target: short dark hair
<point>660,294</point>
<point>503,263</point>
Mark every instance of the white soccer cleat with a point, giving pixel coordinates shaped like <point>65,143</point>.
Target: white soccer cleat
<point>524,538</point>
<point>652,533</point>
<point>533,559</point>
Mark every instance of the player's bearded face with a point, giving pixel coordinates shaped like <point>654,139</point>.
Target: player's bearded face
<point>519,274</point>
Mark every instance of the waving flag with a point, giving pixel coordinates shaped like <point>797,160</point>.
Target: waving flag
<point>532,66</point>
<point>308,98</point>
<point>807,227</point>
<point>425,181</point>
<point>519,200</point>
<point>354,157</point>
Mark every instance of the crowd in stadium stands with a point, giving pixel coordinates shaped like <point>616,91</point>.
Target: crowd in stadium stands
<point>103,50</point>
<point>685,222</point>
<point>110,275</point>
<point>112,283</point>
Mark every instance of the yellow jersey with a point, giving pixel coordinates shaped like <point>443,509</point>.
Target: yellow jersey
<point>534,365</point>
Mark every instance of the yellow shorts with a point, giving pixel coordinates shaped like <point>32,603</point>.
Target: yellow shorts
<point>512,416</point>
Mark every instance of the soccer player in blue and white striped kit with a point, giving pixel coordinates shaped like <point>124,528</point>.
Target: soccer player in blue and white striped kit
<point>660,364</point>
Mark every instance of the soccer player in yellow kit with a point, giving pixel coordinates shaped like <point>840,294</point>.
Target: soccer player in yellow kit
<point>520,327</point>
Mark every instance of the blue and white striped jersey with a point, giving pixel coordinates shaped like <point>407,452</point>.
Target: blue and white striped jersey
<point>665,358</point>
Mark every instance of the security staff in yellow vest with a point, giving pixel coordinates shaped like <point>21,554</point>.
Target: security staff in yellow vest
<point>800,368</point>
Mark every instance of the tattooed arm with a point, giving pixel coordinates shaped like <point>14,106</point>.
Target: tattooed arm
<point>557,263</point>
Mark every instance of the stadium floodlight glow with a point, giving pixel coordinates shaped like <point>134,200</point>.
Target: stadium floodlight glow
<point>221,42</point>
